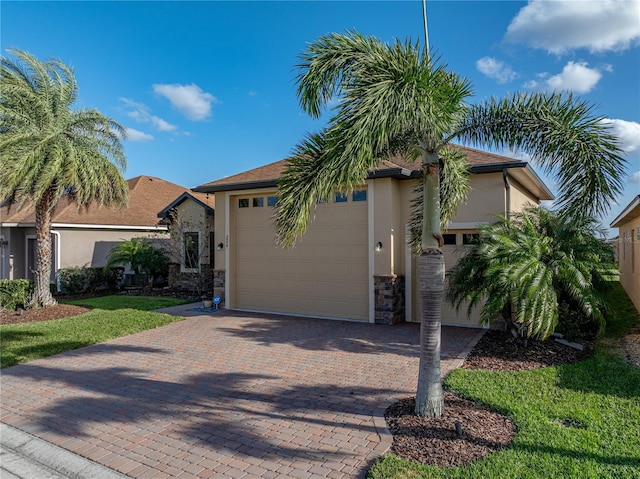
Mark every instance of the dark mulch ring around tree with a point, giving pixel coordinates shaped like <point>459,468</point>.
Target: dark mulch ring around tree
<point>434,441</point>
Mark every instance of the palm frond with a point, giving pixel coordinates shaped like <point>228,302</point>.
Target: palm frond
<point>563,136</point>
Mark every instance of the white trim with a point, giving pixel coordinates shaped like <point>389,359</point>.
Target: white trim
<point>466,226</point>
<point>408,277</point>
<point>85,226</point>
<point>618,221</point>
<point>57,265</point>
<point>371,242</point>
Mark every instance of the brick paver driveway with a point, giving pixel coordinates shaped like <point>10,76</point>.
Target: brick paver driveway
<point>225,395</point>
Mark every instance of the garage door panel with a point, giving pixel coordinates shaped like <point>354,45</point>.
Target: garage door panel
<point>326,274</point>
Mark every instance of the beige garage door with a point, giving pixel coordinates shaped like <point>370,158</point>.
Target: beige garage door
<point>326,274</point>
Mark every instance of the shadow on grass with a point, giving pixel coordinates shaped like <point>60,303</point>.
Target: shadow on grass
<point>632,461</point>
<point>604,373</point>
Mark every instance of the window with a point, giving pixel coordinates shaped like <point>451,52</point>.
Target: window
<point>449,238</point>
<point>359,195</point>
<point>341,197</point>
<point>191,250</point>
<point>469,238</point>
<point>272,200</point>
<point>258,202</point>
<point>243,203</point>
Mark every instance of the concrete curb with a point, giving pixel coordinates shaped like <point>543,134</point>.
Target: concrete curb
<point>25,456</point>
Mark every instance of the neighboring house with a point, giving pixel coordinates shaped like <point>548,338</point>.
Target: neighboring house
<point>190,221</point>
<point>354,261</point>
<point>84,237</point>
<point>628,224</point>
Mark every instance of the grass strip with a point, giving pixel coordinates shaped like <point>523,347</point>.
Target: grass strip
<point>141,303</point>
<point>28,341</point>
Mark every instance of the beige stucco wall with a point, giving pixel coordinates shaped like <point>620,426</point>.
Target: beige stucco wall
<point>90,247</point>
<point>388,214</point>
<point>629,259</point>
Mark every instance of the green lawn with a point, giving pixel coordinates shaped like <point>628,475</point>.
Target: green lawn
<point>112,317</point>
<point>142,303</point>
<point>573,421</point>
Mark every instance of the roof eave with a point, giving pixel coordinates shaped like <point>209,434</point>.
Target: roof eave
<point>626,214</point>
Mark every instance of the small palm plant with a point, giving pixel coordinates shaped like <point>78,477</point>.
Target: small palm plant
<point>526,268</point>
<point>143,259</point>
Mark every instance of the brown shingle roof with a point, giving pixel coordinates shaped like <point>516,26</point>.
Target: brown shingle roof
<point>147,196</point>
<point>269,174</point>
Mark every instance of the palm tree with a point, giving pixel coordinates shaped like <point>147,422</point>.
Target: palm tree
<point>142,257</point>
<point>530,265</point>
<point>396,99</point>
<point>49,150</point>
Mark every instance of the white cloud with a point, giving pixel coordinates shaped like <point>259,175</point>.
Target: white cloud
<point>190,100</point>
<point>495,69</point>
<point>635,177</point>
<point>628,133</point>
<point>253,93</point>
<point>142,114</point>
<point>575,76</point>
<point>559,26</point>
<point>136,135</point>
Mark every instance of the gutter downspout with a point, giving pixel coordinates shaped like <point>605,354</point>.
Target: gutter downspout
<point>507,189</point>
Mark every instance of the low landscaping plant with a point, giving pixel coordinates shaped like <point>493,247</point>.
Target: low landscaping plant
<point>15,293</point>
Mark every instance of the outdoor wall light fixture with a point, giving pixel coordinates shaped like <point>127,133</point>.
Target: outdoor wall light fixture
<point>378,246</point>
<point>220,246</point>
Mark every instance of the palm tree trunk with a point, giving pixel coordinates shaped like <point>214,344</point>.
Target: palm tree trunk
<point>429,396</point>
<point>41,292</point>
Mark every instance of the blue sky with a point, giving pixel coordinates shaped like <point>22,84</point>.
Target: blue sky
<point>207,89</point>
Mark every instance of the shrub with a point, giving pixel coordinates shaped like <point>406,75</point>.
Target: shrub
<point>89,279</point>
<point>15,293</point>
<point>73,280</point>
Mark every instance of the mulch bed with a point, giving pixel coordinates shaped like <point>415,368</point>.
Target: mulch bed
<point>434,440</point>
<point>41,314</point>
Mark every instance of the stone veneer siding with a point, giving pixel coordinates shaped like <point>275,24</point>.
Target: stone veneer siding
<point>389,298</point>
<point>219,284</point>
<point>189,281</point>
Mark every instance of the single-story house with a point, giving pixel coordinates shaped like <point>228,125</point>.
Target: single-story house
<point>354,261</point>
<point>84,237</point>
<point>628,224</point>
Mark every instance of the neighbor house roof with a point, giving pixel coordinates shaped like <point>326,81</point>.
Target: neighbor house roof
<point>147,196</point>
<point>630,212</point>
<point>203,199</point>
<point>396,167</point>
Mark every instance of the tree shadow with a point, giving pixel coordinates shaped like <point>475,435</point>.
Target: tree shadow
<point>632,461</point>
<point>51,348</point>
<point>223,411</point>
<point>366,338</point>
<point>609,376</point>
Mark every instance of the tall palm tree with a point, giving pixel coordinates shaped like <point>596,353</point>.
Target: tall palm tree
<point>525,267</point>
<point>396,99</point>
<point>49,149</point>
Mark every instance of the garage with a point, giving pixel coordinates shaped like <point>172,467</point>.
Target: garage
<point>326,274</point>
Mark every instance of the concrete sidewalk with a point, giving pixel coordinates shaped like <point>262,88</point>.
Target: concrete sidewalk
<point>227,394</point>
